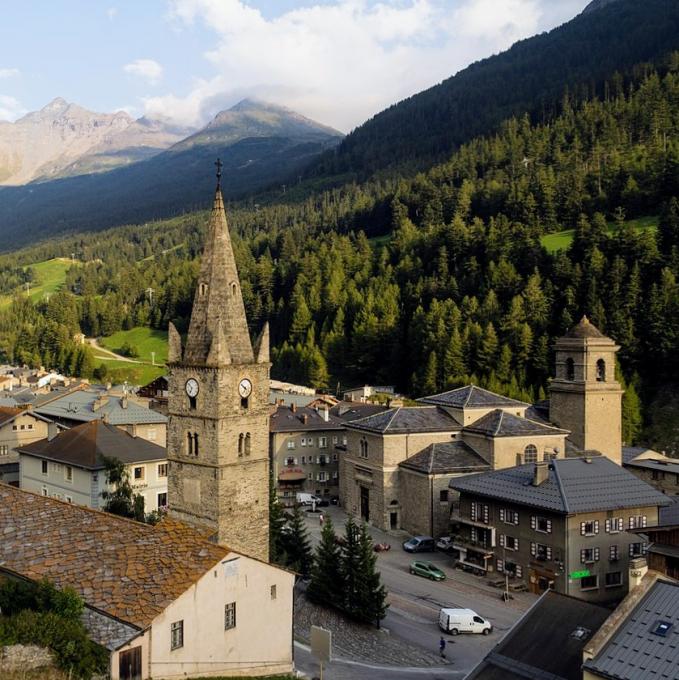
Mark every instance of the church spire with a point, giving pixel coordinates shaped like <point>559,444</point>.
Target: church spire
<point>218,316</point>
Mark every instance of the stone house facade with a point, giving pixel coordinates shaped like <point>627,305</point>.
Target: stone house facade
<point>654,468</point>
<point>566,524</point>
<point>305,446</point>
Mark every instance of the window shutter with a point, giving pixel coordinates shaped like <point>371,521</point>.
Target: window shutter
<point>549,526</point>
<point>533,549</point>
<point>583,558</point>
<point>596,526</point>
<point>516,544</point>
<point>533,521</point>
<point>485,514</point>
<point>621,524</point>
<point>502,540</point>
<point>549,552</point>
<point>643,521</point>
<point>596,554</point>
<point>608,526</point>
<point>516,518</point>
<point>582,528</point>
<point>631,549</point>
<point>473,534</point>
<point>519,571</point>
<point>500,565</point>
<point>473,512</point>
<point>502,514</point>
<point>632,523</point>
<point>644,548</point>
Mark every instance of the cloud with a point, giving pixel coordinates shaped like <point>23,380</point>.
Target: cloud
<point>344,60</point>
<point>148,69</point>
<point>111,13</point>
<point>10,108</point>
<point>9,72</point>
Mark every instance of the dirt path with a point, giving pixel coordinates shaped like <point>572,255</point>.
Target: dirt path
<point>92,342</point>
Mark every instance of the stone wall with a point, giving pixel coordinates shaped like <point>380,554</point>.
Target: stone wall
<point>24,658</point>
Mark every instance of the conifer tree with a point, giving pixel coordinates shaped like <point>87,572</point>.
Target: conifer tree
<point>326,585</point>
<point>373,606</point>
<point>297,547</point>
<point>351,569</point>
<point>276,523</point>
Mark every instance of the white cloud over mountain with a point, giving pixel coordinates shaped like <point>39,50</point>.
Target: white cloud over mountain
<point>148,69</point>
<point>344,60</point>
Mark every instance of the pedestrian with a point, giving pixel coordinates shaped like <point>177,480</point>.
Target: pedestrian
<point>442,648</point>
<point>320,519</point>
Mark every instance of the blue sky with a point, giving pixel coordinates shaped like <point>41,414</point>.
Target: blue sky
<point>339,61</point>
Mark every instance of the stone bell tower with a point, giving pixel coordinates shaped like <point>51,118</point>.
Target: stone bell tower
<point>218,431</point>
<point>585,397</point>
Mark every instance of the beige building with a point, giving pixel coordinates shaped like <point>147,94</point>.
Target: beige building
<point>165,601</point>
<point>70,465</point>
<point>654,468</point>
<point>305,447</point>
<point>18,427</point>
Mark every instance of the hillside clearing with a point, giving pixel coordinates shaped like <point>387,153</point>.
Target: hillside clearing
<point>50,276</point>
<point>144,340</point>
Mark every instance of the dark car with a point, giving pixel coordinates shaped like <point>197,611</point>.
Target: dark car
<point>420,544</point>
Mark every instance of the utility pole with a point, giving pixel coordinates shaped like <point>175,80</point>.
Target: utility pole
<point>153,358</point>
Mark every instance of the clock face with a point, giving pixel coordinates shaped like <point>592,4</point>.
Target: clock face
<point>192,387</point>
<point>244,388</point>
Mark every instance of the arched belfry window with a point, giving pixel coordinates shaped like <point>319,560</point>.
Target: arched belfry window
<point>202,289</point>
<point>192,443</point>
<point>241,444</point>
<point>248,441</point>
<point>601,371</point>
<point>570,369</point>
<point>530,454</point>
<point>195,443</point>
<point>364,448</point>
<point>234,288</point>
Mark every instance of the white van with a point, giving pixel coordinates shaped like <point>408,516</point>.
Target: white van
<point>307,499</point>
<point>456,621</point>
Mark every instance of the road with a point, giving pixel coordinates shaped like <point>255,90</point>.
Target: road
<point>413,612</point>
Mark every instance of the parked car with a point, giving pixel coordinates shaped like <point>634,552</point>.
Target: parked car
<point>308,499</point>
<point>419,544</point>
<point>456,621</point>
<point>445,544</point>
<point>382,547</point>
<point>428,570</point>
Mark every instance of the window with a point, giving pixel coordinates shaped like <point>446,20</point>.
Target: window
<point>322,442</point>
<point>139,473</point>
<point>509,516</point>
<point>601,371</point>
<point>273,592</point>
<point>162,500</point>
<point>530,454</point>
<point>335,475</point>
<point>541,552</point>
<point>637,549</point>
<point>192,443</point>
<point>513,569</point>
<point>364,448</point>
<point>615,525</point>
<point>30,426</point>
<point>291,461</point>
<point>44,491</point>
<point>14,428</point>
<point>479,512</point>
<point>248,441</point>
<point>637,522</point>
<point>334,439</point>
<point>570,369</point>
<point>23,427</point>
<point>291,443</point>
<point>589,528</point>
<point>44,467</point>
<point>162,470</point>
<point>323,477</point>
<point>613,553</point>
<point>613,579</point>
<point>202,289</point>
<point>509,542</point>
<point>176,635</point>
<point>68,499</point>
<point>589,582</point>
<point>230,616</point>
<point>344,441</point>
<point>541,524</point>
<point>192,403</point>
<point>334,458</point>
<point>68,473</point>
<point>589,555</point>
<point>4,450</point>
<point>443,496</point>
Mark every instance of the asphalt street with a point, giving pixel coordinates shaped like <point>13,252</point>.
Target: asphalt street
<point>413,612</point>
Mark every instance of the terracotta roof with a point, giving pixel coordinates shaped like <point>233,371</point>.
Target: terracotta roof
<point>129,570</point>
<point>8,414</point>
<point>86,446</point>
<point>284,419</point>
<point>584,329</point>
<point>471,396</point>
<point>441,458</point>
<point>499,423</point>
<point>406,419</point>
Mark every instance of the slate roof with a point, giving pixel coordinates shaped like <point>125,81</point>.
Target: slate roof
<point>664,465</point>
<point>634,652</point>
<point>629,453</point>
<point>128,570</point>
<point>669,515</point>
<point>407,419</point>
<point>471,396</point>
<point>86,445</point>
<point>541,644</point>
<point>445,457</point>
<point>573,485</point>
<point>499,423</point>
<point>584,329</point>
<point>353,410</point>
<point>284,419</point>
<point>80,406</point>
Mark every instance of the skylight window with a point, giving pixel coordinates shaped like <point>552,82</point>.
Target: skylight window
<point>581,633</point>
<point>661,628</point>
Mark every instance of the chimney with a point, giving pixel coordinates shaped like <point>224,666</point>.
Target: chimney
<point>305,418</point>
<point>293,407</point>
<point>106,419</point>
<point>326,414</point>
<point>52,430</point>
<point>123,402</point>
<point>541,473</point>
<point>638,568</point>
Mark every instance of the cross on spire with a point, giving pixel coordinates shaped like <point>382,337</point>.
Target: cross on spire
<point>219,165</point>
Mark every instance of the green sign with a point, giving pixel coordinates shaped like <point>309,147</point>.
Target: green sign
<point>579,574</point>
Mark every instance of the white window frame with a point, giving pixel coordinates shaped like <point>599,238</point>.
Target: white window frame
<point>162,465</point>
<point>143,473</point>
<point>291,443</point>
<point>615,525</point>
<point>68,474</point>
<point>322,442</point>
<point>230,616</point>
<point>176,635</point>
<point>595,527</point>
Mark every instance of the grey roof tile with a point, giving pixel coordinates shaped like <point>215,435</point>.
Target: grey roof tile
<point>441,458</point>
<point>499,423</point>
<point>635,652</point>
<point>573,485</point>
<point>471,396</point>
<point>353,410</point>
<point>284,419</point>
<point>663,465</point>
<point>406,419</point>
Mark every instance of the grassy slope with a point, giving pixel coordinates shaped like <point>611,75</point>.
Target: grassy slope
<point>50,277</point>
<point>562,239</point>
<point>144,340</point>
